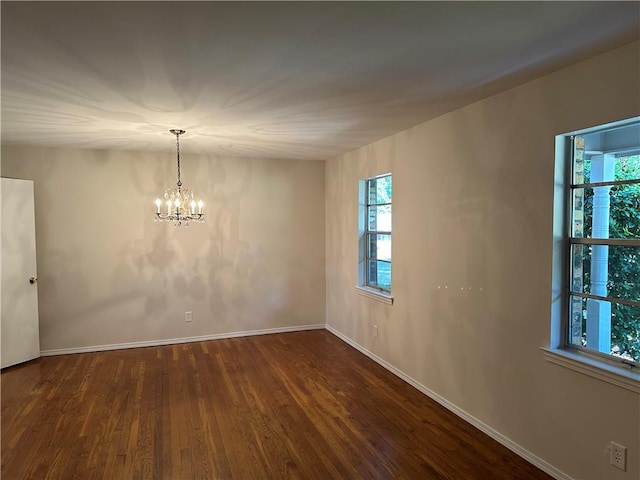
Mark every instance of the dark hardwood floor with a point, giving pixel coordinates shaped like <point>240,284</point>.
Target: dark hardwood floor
<point>297,405</point>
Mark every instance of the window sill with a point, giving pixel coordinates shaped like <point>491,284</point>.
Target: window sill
<point>619,376</point>
<point>378,295</point>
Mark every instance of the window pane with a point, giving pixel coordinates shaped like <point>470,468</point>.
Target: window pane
<point>379,247</point>
<point>379,218</point>
<point>577,225</point>
<point>379,190</point>
<point>607,212</point>
<point>625,331</point>
<point>607,271</point>
<point>591,328</point>
<point>579,161</point>
<point>578,321</point>
<point>625,168</point>
<point>379,274</point>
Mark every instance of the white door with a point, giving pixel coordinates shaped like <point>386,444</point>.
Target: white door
<point>19,330</point>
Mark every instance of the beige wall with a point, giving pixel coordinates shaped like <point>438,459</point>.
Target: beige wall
<point>108,274</point>
<point>473,204</point>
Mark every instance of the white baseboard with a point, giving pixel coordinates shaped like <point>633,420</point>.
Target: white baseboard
<point>510,444</point>
<point>171,341</point>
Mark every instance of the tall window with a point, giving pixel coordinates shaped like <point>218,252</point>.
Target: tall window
<point>375,240</point>
<point>604,243</point>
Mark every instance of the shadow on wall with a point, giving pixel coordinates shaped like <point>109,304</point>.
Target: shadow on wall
<point>110,274</point>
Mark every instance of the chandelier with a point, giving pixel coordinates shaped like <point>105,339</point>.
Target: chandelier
<point>179,204</point>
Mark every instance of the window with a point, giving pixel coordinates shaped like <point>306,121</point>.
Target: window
<point>375,233</point>
<point>602,316</point>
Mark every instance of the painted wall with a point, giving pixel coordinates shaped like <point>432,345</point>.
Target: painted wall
<point>109,274</point>
<point>472,249</point>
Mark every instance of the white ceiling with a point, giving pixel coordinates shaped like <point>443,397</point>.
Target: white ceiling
<point>306,80</point>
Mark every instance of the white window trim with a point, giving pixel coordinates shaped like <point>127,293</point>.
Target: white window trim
<point>557,353</point>
<point>379,295</point>
<point>589,365</point>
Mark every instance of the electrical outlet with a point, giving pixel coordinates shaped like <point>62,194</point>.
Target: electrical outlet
<point>375,331</point>
<point>618,456</point>
<point>188,316</point>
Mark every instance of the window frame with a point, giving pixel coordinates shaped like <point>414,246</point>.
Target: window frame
<point>369,234</point>
<point>572,240</point>
<point>561,351</point>
<point>365,284</point>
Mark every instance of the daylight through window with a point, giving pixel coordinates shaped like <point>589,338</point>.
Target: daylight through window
<point>604,244</point>
<point>377,234</point>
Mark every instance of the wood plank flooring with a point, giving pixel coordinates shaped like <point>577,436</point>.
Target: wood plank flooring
<point>298,405</point>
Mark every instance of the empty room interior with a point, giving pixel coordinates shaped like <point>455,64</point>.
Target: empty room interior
<point>247,240</point>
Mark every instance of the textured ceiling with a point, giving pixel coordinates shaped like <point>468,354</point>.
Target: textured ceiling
<point>305,80</point>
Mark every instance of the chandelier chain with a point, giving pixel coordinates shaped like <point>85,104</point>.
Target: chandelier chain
<point>178,153</point>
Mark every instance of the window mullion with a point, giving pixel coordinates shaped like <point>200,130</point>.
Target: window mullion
<point>610,183</point>
<point>622,301</point>
<point>618,242</point>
